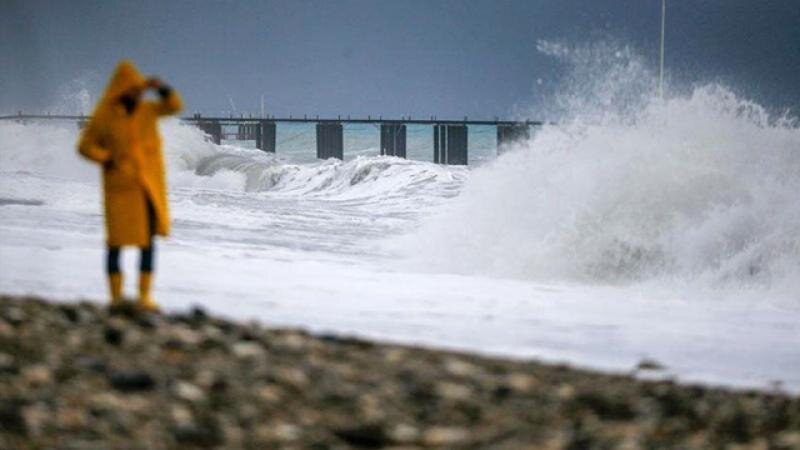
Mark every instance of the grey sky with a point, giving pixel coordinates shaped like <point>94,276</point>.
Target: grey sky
<point>448,58</point>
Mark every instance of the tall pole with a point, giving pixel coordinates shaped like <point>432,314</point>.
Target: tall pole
<point>661,62</point>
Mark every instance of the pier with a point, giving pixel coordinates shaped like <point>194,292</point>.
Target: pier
<point>450,136</point>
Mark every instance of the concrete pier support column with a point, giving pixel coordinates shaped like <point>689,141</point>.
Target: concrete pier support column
<point>509,134</point>
<point>248,132</point>
<point>265,136</point>
<point>393,139</point>
<point>330,140</point>
<point>213,129</point>
<point>450,144</point>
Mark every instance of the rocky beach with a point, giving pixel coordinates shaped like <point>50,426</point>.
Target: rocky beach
<point>74,377</point>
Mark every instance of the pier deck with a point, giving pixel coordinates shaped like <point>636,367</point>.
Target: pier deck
<point>450,142</point>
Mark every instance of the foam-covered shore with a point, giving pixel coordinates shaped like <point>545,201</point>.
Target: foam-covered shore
<point>598,245</point>
<point>73,377</point>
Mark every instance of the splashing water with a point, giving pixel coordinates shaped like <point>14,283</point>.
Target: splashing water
<point>698,189</point>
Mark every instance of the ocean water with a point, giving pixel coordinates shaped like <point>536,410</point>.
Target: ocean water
<point>635,227</point>
<point>297,142</point>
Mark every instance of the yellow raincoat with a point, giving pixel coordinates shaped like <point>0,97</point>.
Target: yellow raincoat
<point>128,148</point>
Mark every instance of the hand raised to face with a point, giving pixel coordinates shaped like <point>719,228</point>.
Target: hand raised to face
<point>154,83</point>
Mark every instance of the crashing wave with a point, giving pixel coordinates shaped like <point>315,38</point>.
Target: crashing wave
<point>697,188</point>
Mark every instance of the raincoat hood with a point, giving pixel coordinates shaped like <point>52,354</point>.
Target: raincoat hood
<point>126,76</point>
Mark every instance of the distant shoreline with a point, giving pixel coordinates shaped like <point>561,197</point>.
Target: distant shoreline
<point>72,375</point>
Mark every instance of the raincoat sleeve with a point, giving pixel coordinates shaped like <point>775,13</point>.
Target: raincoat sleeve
<point>90,145</point>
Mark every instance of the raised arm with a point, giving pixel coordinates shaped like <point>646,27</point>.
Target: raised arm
<point>170,102</point>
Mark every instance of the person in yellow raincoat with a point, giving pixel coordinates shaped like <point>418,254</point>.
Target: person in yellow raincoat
<point>122,136</point>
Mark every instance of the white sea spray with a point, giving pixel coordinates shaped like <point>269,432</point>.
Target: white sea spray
<point>698,189</point>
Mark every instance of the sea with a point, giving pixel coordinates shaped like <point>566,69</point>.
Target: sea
<point>630,227</point>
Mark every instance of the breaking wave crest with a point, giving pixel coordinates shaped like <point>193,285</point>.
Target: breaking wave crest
<point>234,168</point>
<point>700,188</point>
<point>48,149</point>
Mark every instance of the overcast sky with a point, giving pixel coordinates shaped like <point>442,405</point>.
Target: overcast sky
<point>448,58</point>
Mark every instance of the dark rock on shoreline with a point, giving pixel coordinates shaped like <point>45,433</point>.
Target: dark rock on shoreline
<point>71,376</point>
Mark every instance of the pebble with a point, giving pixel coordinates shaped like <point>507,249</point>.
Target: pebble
<point>269,394</point>
<point>131,381</point>
<point>72,418</point>
<point>403,433</point>
<point>370,408</point>
<point>370,435</point>
<point>248,350</point>
<point>198,314</point>
<point>75,338</point>
<point>14,315</point>
<point>12,418</point>
<point>292,376</point>
<point>286,432</point>
<point>247,412</point>
<point>82,444</point>
<point>232,435</point>
<point>72,313</point>
<point>292,341</point>
<point>649,364</point>
<point>566,392</point>
<point>205,431</point>
<point>521,382</point>
<point>453,391</point>
<point>198,435</point>
<point>105,401</point>
<point>6,330</point>
<point>36,417</point>
<point>7,364</point>
<point>113,335</point>
<point>148,321</point>
<point>91,363</point>
<point>184,336</point>
<point>205,378</point>
<point>459,368</point>
<point>181,415</point>
<point>213,333</point>
<point>395,355</point>
<point>438,436</point>
<point>37,375</point>
<point>188,392</point>
<point>788,439</point>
